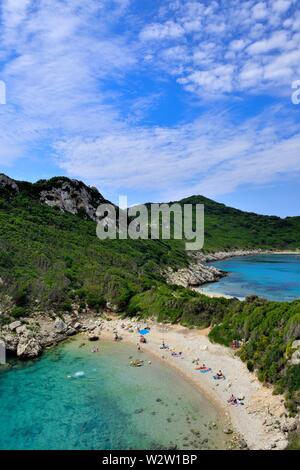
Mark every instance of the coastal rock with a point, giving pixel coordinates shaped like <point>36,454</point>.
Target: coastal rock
<point>28,348</point>
<point>10,340</point>
<point>71,332</point>
<point>14,325</point>
<point>22,330</point>
<point>60,325</point>
<point>91,327</point>
<point>220,255</point>
<point>194,275</point>
<point>93,337</point>
<point>77,326</point>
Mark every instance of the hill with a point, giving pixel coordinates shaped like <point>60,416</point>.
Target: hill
<point>51,259</point>
<point>227,228</point>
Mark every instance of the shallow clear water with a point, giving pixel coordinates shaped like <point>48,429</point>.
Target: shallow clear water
<point>72,398</point>
<point>275,277</point>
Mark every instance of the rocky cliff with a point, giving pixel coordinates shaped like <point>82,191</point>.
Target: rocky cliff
<point>8,183</point>
<point>72,196</point>
<point>66,194</point>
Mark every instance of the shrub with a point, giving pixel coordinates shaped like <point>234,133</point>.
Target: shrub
<point>18,312</point>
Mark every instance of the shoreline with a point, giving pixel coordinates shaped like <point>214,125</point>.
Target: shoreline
<point>221,256</point>
<point>199,272</point>
<point>253,422</point>
<point>257,426</point>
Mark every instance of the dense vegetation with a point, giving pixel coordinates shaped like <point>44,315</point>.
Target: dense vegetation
<point>49,259</point>
<point>265,329</point>
<point>227,228</point>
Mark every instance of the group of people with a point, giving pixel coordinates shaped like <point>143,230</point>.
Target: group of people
<point>219,375</point>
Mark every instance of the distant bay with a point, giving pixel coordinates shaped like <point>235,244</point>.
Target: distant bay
<point>272,276</point>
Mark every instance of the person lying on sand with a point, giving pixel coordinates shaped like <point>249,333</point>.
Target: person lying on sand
<point>232,400</point>
<point>219,375</point>
<point>203,367</point>
<point>236,401</point>
<point>175,354</point>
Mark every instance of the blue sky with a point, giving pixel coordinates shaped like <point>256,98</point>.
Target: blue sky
<point>157,100</point>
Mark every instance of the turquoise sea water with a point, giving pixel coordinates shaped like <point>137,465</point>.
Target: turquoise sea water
<point>274,277</point>
<point>72,398</point>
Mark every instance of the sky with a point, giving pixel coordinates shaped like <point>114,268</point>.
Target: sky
<point>155,99</point>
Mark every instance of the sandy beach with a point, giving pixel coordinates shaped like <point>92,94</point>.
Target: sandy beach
<point>259,421</point>
<point>214,295</point>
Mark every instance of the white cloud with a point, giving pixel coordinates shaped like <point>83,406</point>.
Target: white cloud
<point>58,55</point>
<point>66,64</point>
<point>156,31</point>
<point>260,11</point>
<point>281,6</point>
<point>233,32</point>
<point>238,44</point>
<point>215,153</point>
<point>278,40</point>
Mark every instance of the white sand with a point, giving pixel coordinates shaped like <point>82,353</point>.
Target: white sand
<point>259,421</point>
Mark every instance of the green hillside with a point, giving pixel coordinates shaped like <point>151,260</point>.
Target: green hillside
<point>227,228</point>
<point>50,258</point>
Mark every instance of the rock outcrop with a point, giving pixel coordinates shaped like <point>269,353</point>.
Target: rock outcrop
<point>28,348</point>
<point>7,182</point>
<point>199,273</point>
<point>68,195</point>
<point>193,276</point>
<point>73,196</point>
<point>295,359</point>
<point>14,325</point>
<point>60,325</point>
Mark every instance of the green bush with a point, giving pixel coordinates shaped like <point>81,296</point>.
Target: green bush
<point>18,312</point>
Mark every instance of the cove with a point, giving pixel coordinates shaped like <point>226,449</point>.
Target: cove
<point>272,276</point>
<point>72,398</point>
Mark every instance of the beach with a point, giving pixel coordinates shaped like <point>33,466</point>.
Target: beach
<point>259,421</point>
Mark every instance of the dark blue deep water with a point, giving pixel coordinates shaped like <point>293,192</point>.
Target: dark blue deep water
<point>274,277</point>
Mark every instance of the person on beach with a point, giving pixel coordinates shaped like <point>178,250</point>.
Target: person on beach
<point>220,375</point>
<point>233,400</point>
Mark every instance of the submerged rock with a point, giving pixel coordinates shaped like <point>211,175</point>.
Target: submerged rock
<point>93,337</point>
<point>227,431</point>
